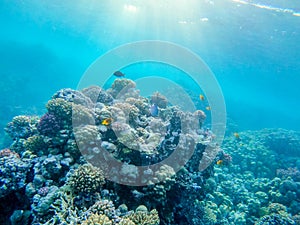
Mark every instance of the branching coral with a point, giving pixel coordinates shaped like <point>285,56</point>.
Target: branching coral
<point>143,217</point>
<point>95,219</point>
<point>86,179</point>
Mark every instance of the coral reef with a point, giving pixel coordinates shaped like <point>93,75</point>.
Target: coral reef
<point>57,168</point>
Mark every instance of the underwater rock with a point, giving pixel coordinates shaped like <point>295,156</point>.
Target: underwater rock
<point>20,217</point>
<point>41,204</point>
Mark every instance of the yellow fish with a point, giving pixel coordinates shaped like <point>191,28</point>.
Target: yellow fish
<point>107,121</point>
<point>201,97</point>
<point>208,108</point>
<point>236,135</point>
<point>220,162</point>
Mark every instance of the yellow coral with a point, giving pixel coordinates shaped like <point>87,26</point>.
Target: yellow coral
<point>144,217</point>
<point>95,219</point>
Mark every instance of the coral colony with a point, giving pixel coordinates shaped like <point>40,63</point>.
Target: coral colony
<point>47,178</point>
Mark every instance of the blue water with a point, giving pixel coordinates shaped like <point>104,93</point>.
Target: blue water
<point>253,50</point>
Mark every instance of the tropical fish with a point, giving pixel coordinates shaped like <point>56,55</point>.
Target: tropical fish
<point>201,97</point>
<point>220,162</point>
<point>236,135</point>
<point>106,122</point>
<point>208,108</point>
<point>119,74</point>
<point>154,110</point>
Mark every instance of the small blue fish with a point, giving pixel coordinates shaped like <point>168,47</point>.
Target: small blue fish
<point>154,110</point>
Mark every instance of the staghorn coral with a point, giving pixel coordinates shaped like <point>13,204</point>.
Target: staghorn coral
<point>86,179</point>
<point>22,127</point>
